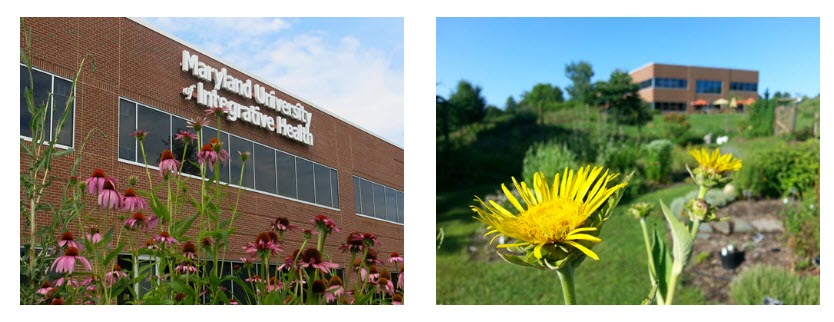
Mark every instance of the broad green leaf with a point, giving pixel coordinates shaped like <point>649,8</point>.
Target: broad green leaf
<point>180,227</point>
<point>681,240</point>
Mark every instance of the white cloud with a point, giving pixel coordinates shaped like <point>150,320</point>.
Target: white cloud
<point>339,74</point>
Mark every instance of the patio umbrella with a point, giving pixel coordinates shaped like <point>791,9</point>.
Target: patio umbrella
<point>720,101</point>
<point>749,101</point>
<point>733,102</point>
<point>700,102</point>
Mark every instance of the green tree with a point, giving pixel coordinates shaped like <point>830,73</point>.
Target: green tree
<point>542,96</point>
<point>580,74</point>
<point>466,104</point>
<point>511,105</point>
<point>620,98</point>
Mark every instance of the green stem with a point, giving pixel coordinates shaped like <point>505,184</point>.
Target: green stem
<point>566,277</point>
<point>650,258</point>
<point>147,169</point>
<point>671,292</point>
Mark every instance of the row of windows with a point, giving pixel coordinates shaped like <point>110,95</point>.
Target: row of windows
<point>708,86</point>
<point>278,173</point>
<point>670,106</point>
<point>375,200</point>
<point>663,83</point>
<point>741,86</point>
<point>42,85</point>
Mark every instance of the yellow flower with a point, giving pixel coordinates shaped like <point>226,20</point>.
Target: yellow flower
<point>554,215</point>
<point>715,163</point>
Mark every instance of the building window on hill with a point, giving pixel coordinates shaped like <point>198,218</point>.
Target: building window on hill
<point>708,86</point>
<point>744,87</point>
<point>43,84</point>
<point>378,201</point>
<point>670,83</point>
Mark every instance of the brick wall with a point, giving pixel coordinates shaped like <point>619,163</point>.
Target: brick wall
<point>137,63</point>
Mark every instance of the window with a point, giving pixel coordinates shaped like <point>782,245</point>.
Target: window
<point>646,83</point>
<point>670,83</point>
<point>378,201</point>
<point>745,87</point>
<point>267,170</point>
<point>670,106</point>
<point>42,84</point>
<point>708,86</point>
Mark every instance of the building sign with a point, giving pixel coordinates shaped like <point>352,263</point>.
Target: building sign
<point>210,97</point>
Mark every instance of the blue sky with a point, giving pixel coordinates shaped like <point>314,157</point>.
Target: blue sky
<point>352,67</point>
<point>507,56</point>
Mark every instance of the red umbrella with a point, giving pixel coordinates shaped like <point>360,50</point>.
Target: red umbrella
<point>700,102</point>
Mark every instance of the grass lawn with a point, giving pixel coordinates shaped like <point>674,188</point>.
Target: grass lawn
<point>620,277</point>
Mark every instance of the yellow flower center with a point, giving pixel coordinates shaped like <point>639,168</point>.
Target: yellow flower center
<point>547,222</point>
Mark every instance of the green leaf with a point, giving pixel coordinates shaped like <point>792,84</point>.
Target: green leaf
<point>63,152</point>
<point>179,287</point>
<point>652,293</point>
<point>661,259</point>
<point>682,241</point>
<point>113,254</point>
<point>180,227</point>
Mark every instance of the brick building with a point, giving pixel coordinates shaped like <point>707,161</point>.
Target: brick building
<point>305,160</point>
<point>694,89</point>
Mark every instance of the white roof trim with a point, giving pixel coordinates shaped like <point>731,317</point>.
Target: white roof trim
<point>261,79</point>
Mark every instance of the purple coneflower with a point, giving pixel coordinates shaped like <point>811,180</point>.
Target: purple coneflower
<point>66,263</point>
<point>151,244</point>
<point>93,235</point>
<point>326,224</point>
<point>207,156</point>
<point>395,258</point>
<point>400,278</point>
<point>95,183</point>
<point>353,243</point>
<point>384,285</point>
<point>312,258</point>
<point>58,301</point>
<point>247,260</point>
<point>46,287</point>
<point>334,289</point>
<point>264,244</point>
<point>165,238</point>
<point>139,135</point>
<point>131,202</point>
<point>69,281</point>
<point>90,283</point>
<point>254,279</point>
<point>185,136</point>
<point>139,220</point>
<point>108,198</point>
<point>198,123</point>
<point>319,287</point>
<point>370,240</point>
<point>186,268</point>
<point>274,285</point>
<point>289,260</point>
<point>189,250</point>
<point>68,240</point>
<point>282,224</point>
<point>222,154</point>
<point>168,164</point>
<point>115,275</point>
<point>232,301</point>
<point>217,111</point>
<point>371,257</point>
<point>397,299</point>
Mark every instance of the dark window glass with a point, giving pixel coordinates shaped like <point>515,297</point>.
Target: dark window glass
<point>322,185</point>
<point>306,190</point>
<point>127,124</point>
<point>265,165</point>
<point>669,83</point>
<point>42,84</point>
<point>708,86</point>
<point>286,174</point>
<point>645,83</point>
<point>357,196</point>
<point>391,204</point>
<point>334,186</point>
<point>158,139</point>
<point>236,145</point>
<point>400,207</point>
<point>367,198</point>
<point>379,201</point>
<point>62,91</point>
<point>190,166</point>
<point>208,134</point>
<point>25,116</point>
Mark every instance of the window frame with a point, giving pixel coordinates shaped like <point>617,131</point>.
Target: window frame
<point>397,206</point>
<point>52,109</point>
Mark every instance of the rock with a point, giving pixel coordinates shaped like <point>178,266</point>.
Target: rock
<point>705,229</point>
<point>768,225</point>
<point>742,226</point>
<point>704,236</point>
<point>722,226</point>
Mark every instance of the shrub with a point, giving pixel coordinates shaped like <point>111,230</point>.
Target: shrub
<point>621,157</point>
<point>784,169</point>
<point>760,119</point>
<point>757,282</point>
<point>658,160</point>
<point>802,225</point>
<point>675,127</point>
<point>550,158</point>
